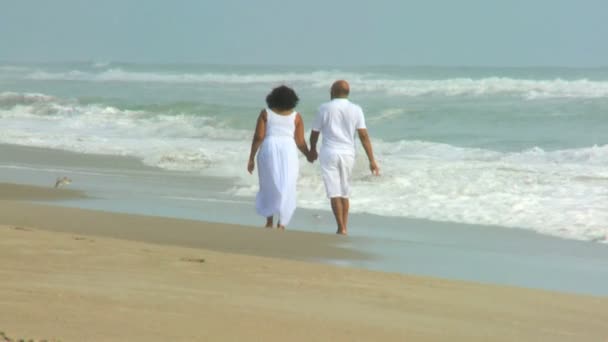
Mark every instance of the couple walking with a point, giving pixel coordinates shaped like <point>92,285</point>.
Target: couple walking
<point>279,134</point>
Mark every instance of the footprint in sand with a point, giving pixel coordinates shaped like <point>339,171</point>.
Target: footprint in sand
<point>197,260</point>
<point>5,338</point>
<point>80,238</point>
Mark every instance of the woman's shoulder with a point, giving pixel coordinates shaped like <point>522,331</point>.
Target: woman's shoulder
<point>282,112</point>
<point>264,113</point>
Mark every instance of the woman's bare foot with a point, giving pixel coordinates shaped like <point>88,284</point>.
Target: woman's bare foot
<point>342,232</point>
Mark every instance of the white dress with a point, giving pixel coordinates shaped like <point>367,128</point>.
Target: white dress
<point>278,168</point>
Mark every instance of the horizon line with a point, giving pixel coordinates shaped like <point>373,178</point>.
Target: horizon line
<point>359,65</point>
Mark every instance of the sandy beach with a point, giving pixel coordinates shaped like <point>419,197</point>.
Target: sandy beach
<point>137,140</point>
<point>79,275</point>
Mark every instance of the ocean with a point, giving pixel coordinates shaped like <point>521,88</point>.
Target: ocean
<point>520,148</point>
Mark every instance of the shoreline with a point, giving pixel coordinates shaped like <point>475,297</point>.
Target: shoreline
<point>173,279</point>
<point>477,253</point>
<point>25,192</point>
<point>229,238</point>
<point>96,173</point>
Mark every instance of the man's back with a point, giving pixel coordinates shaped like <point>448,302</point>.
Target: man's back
<point>338,121</point>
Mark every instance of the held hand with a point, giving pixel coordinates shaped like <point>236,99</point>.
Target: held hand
<point>312,156</point>
<point>251,166</point>
<point>373,167</point>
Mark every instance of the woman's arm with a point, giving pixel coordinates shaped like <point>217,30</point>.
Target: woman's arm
<point>258,138</point>
<point>299,136</point>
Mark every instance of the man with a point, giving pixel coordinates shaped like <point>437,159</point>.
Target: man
<point>338,120</point>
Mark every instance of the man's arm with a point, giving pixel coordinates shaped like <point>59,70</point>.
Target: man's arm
<point>367,146</point>
<point>314,138</point>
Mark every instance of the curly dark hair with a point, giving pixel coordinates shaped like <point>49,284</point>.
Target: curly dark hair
<point>283,98</point>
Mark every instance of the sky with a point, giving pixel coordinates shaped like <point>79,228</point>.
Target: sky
<point>308,32</point>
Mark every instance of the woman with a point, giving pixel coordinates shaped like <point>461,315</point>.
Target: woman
<point>279,133</point>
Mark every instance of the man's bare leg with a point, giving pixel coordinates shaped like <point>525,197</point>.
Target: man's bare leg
<point>345,207</point>
<point>269,223</point>
<point>336,207</point>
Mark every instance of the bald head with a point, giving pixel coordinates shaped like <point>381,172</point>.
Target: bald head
<point>339,89</point>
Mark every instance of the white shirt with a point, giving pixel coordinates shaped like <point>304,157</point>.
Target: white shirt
<point>338,120</point>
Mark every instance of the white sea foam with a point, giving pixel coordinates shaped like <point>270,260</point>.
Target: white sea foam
<point>100,64</point>
<point>561,192</point>
<point>387,114</point>
<point>177,142</point>
<point>525,88</point>
<point>529,89</point>
<point>11,99</point>
<point>120,75</point>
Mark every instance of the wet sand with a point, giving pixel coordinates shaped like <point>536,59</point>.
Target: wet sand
<point>80,275</point>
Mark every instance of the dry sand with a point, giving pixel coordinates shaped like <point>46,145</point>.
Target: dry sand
<point>82,284</point>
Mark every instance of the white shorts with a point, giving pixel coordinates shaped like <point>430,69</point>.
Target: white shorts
<point>336,169</point>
